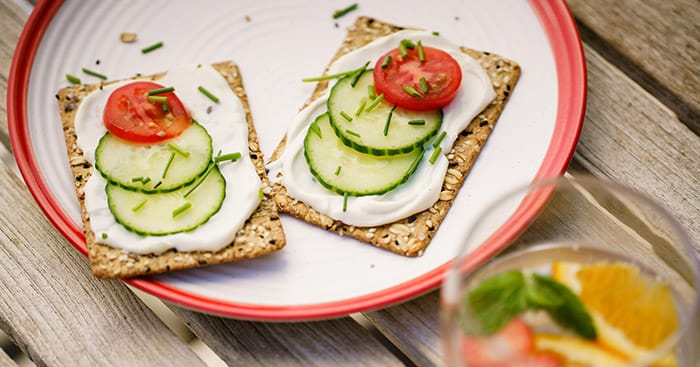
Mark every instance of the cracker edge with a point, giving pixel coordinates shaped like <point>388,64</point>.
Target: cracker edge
<point>261,234</point>
<point>412,235</point>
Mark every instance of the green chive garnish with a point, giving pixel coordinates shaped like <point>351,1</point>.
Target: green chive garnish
<point>346,116</point>
<point>94,73</point>
<point>154,92</point>
<point>139,205</point>
<point>416,122</point>
<point>421,54</point>
<point>167,165</point>
<point>207,93</point>
<point>402,50</point>
<point>361,107</point>
<point>352,133</point>
<point>423,85</point>
<point>228,157</point>
<point>137,179</point>
<point>345,201</point>
<point>152,47</point>
<point>339,13</point>
<point>408,44</point>
<point>412,92</point>
<point>199,182</point>
<point>177,149</point>
<point>165,107</point>
<point>435,155</point>
<point>145,180</point>
<point>375,102</point>
<point>157,185</point>
<point>386,62</point>
<point>261,194</point>
<point>159,99</point>
<point>439,139</point>
<point>358,74</point>
<point>371,92</point>
<point>181,209</point>
<point>436,33</point>
<point>73,79</point>
<point>332,76</point>
<point>337,170</point>
<point>316,129</point>
<point>104,235</point>
<point>388,121</point>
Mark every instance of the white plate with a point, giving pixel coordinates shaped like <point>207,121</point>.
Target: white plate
<point>276,44</point>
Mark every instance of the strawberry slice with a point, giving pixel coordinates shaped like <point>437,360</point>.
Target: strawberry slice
<point>513,345</point>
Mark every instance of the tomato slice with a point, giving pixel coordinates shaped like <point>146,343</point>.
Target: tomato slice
<point>130,115</point>
<point>441,71</point>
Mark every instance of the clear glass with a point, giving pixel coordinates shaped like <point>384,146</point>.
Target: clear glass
<point>620,256</point>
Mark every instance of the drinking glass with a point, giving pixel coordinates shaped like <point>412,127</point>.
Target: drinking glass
<point>595,274</point>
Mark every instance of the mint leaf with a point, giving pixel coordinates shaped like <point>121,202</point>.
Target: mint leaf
<point>496,300</point>
<point>570,312</point>
<point>540,296</point>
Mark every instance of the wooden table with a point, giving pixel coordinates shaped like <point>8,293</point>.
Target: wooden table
<point>641,129</point>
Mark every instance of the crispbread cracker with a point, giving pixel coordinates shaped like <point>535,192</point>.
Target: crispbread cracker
<point>261,234</point>
<point>411,236</point>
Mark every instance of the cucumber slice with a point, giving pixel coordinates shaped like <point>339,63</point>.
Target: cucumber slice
<point>344,170</point>
<point>152,214</point>
<point>123,163</point>
<point>366,131</point>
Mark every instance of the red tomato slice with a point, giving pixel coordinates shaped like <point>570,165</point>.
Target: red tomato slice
<point>129,114</point>
<point>440,70</point>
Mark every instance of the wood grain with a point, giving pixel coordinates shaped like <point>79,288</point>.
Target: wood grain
<point>12,20</point>
<point>657,43</point>
<point>340,342</point>
<point>6,361</point>
<point>60,314</point>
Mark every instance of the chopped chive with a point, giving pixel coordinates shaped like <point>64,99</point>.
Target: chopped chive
<point>352,133</point>
<point>416,122</point>
<point>332,76</point>
<point>386,62</point>
<point>439,139</point>
<point>261,194</point>
<point>415,163</point>
<point>199,181</point>
<point>361,107</point>
<point>228,157</point>
<point>345,201</point>
<point>165,107</point>
<point>388,121</point>
<point>152,47</point>
<point>154,92</point>
<point>412,92</point>
<point>136,179</point>
<point>408,44</point>
<point>375,102</point>
<point>207,93</point>
<point>139,205</point>
<point>94,73</point>
<point>145,180</point>
<point>435,155</point>
<point>337,170</point>
<point>73,79</point>
<point>316,129</point>
<point>436,33</point>
<point>402,50</point>
<point>421,54</point>
<point>104,235</point>
<point>157,185</point>
<point>371,92</point>
<point>358,74</point>
<point>346,116</point>
<point>177,149</point>
<point>167,165</point>
<point>159,99</point>
<point>423,85</point>
<point>181,209</point>
<point>339,13</point>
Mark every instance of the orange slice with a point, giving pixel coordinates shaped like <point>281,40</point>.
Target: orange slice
<point>633,314</point>
<point>577,352</point>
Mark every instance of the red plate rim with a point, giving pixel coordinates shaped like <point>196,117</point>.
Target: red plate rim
<point>565,42</point>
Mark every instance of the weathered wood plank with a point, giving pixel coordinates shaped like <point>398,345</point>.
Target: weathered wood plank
<point>60,314</point>
<point>340,342</point>
<point>657,43</point>
<point>628,137</point>
<point>12,20</point>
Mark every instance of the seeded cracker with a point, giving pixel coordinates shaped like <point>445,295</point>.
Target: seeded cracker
<point>412,235</point>
<point>261,234</point>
